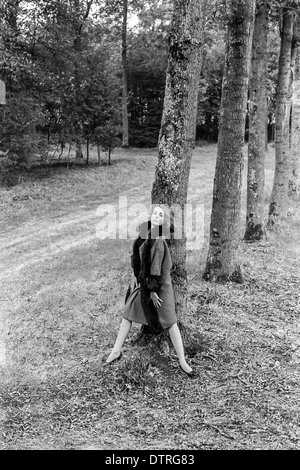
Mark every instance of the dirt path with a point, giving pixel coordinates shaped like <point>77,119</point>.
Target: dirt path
<point>36,241</point>
<point>41,238</point>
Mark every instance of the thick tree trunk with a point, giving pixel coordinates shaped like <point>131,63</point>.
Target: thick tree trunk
<point>258,116</point>
<point>125,135</point>
<point>178,126</point>
<point>294,183</point>
<point>279,198</point>
<point>222,261</point>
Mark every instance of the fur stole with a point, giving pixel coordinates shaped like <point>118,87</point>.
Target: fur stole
<point>141,266</point>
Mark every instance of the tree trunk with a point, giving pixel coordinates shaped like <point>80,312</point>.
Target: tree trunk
<point>279,198</point>
<point>99,154</point>
<point>11,17</point>
<point>68,157</point>
<point>87,150</point>
<point>79,152</point>
<point>222,261</point>
<point>12,11</point>
<point>79,23</point>
<point>77,48</point>
<point>178,126</point>
<point>125,135</point>
<point>2,93</point>
<point>294,183</point>
<point>258,115</point>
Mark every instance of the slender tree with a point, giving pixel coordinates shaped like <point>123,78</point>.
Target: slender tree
<point>79,22</point>
<point>178,126</point>
<point>222,263</point>
<point>125,135</point>
<point>2,82</point>
<point>279,197</point>
<point>258,110</point>
<point>2,88</point>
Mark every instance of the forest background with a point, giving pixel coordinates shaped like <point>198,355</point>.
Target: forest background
<point>62,65</point>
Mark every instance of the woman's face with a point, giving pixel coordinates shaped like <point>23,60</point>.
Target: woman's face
<point>157,216</point>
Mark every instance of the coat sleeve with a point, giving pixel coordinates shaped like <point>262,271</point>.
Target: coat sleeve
<point>157,256</point>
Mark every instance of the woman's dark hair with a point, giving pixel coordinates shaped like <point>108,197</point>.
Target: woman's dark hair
<point>165,229</point>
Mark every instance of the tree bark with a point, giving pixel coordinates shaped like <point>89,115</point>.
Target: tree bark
<point>258,115</point>
<point>125,135</point>
<point>77,47</point>
<point>79,23</point>
<point>99,153</point>
<point>2,92</point>
<point>178,126</point>
<point>87,150</point>
<point>294,183</point>
<point>222,261</point>
<point>279,198</point>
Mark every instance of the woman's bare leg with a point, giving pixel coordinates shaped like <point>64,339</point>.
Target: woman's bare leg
<point>122,335</point>
<point>176,339</point>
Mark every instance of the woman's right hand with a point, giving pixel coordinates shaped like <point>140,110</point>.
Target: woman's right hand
<point>155,299</point>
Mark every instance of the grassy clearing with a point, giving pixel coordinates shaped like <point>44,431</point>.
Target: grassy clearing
<point>61,304</point>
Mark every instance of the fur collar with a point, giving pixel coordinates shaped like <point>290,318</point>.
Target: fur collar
<point>141,265</point>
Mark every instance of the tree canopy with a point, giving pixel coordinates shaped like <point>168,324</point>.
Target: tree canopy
<point>62,66</point>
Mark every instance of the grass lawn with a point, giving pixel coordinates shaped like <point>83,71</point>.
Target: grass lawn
<point>61,300</point>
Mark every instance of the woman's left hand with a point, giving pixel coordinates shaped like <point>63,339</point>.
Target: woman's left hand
<point>155,299</point>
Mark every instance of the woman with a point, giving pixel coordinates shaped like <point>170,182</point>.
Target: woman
<point>152,301</point>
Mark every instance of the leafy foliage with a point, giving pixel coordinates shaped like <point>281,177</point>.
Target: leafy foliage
<point>211,81</point>
<point>61,61</point>
<point>147,70</point>
<point>56,90</point>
